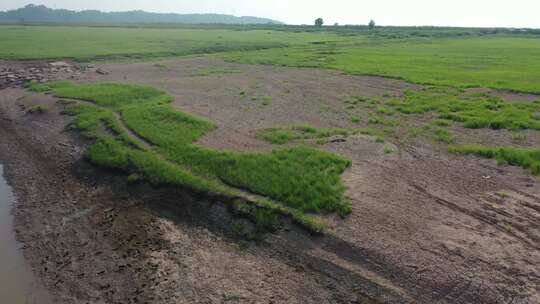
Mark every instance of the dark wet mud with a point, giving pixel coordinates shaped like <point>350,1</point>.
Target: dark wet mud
<point>17,284</point>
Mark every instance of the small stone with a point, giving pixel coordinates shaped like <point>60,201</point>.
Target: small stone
<point>102,72</point>
<point>59,64</point>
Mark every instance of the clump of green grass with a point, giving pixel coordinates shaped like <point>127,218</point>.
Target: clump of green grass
<point>215,71</point>
<point>109,95</point>
<point>375,120</point>
<point>265,100</point>
<point>112,153</point>
<point>285,135</point>
<point>93,121</point>
<point>441,122</point>
<point>526,158</point>
<point>366,131</point>
<point>384,110</point>
<point>278,136</point>
<point>394,102</point>
<point>415,132</point>
<point>388,150</point>
<point>355,119</point>
<point>134,178</point>
<point>301,178</point>
<point>38,109</point>
<point>278,175</point>
<point>472,110</point>
<point>444,136</point>
<point>353,100</point>
<point>88,118</point>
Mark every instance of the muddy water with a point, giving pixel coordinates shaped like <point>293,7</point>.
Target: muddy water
<point>17,284</point>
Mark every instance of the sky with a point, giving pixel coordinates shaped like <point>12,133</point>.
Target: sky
<point>468,13</point>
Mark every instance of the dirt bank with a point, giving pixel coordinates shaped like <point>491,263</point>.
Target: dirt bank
<point>426,227</point>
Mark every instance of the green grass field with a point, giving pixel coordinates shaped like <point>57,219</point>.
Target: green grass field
<point>443,57</point>
<point>90,43</point>
<point>496,62</point>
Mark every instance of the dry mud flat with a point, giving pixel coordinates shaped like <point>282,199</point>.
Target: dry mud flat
<point>426,227</point>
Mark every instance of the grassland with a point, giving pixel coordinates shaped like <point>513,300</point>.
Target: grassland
<point>510,63</point>
<point>301,179</point>
<point>91,43</point>
<point>452,57</point>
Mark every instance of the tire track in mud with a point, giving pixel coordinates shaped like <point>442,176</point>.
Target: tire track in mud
<point>530,241</point>
<point>476,215</point>
<point>463,275</point>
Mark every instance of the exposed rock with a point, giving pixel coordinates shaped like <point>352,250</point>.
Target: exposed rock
<point>101,71</point>
<point>15,73</point>
<point>338,140</point>
<point>59,64</point>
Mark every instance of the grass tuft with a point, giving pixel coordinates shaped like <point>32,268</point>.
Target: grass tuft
<point>280,136</point>
<point>444,136</point>
<point>38,109</point>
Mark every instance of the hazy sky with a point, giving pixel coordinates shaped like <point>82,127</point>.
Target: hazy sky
<point>482,13</point>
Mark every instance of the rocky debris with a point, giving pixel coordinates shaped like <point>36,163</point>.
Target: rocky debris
<point>15,74</point>
<point>60,64</point>
<point>338,140</point>
<point>101,71</point>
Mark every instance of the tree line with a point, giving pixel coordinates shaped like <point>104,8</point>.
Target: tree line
<point>319,23</point>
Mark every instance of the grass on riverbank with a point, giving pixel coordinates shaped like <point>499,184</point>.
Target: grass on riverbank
<point>302,179</point>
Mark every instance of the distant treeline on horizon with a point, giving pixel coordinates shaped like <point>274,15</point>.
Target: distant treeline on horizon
<point>40,13</point>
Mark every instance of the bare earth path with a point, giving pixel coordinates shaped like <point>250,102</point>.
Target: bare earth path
<point>426,227</point>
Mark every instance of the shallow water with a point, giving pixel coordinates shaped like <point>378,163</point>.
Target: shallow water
<point>17,284</point>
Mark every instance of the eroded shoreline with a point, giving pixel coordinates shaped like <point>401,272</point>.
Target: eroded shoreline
<point>17,282</point>
<point>423,228</point>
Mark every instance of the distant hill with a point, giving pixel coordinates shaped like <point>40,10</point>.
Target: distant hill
<point>41,13</point>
